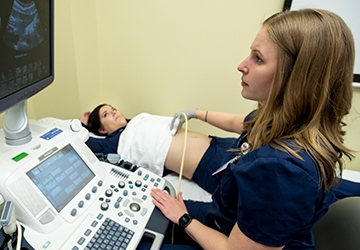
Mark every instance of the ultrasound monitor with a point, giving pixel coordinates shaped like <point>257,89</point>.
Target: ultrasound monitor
<point>26,61</point>
<point>61,177</point>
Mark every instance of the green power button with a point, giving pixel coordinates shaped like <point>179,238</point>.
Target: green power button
<point>20,156</point>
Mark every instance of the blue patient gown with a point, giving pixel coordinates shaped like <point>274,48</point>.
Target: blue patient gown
<point>106,145</point>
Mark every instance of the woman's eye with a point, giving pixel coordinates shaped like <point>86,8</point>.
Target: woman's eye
<point>258,59</point>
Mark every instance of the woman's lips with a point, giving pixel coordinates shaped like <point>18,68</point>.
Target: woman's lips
<point>244,84</point>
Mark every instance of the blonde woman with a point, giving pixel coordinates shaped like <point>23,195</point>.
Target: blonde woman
<point>275,187</point>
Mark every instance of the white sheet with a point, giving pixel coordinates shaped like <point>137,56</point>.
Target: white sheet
<point>146,141</point>
<point>351,175</point>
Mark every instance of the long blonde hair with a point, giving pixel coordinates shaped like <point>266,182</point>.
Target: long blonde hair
<point>311,91</point>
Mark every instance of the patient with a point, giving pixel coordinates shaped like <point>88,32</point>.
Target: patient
<point>146,141</point>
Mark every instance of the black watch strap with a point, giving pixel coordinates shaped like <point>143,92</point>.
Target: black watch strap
<point>185,220</point>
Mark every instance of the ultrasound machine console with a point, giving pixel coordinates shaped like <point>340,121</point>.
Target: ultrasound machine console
<point>65,198</point>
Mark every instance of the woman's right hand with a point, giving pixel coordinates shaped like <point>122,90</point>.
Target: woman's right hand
<point>171,207</point>
<point>178,119</point>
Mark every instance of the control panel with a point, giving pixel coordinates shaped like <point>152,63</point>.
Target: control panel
<point>118,219</point>
<point>66,198</point>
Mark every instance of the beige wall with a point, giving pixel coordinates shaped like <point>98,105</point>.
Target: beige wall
<point>156,56</point>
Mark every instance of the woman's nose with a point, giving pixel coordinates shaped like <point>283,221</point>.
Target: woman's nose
<point>242,67</point>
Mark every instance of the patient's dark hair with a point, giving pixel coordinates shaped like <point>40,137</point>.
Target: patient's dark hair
<point>94,120</point>
<point>94,123</point>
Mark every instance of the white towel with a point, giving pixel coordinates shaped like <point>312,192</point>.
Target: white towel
<point>146,141</point>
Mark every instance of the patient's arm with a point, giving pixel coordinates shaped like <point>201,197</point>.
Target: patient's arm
<point>196,146</point>
<point>85,117</point>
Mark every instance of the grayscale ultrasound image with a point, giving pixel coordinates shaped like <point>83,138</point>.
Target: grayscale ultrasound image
<point>23,30</point>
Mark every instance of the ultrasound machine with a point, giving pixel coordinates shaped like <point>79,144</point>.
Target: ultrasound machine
<point>54,192</point>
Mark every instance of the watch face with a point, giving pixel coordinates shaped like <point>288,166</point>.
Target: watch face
<point>185,220</point>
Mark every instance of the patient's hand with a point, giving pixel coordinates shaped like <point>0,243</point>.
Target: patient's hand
<point>85,117</point>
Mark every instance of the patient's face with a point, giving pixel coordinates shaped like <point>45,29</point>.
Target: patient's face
<point>110,119</point>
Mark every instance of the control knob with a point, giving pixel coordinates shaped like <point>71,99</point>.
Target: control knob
<point>108,192</point>
<point>138,183</point>
<point>121,184</point>
<point>104,206</point>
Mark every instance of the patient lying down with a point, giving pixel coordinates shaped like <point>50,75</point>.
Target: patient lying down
<point>146,141</point>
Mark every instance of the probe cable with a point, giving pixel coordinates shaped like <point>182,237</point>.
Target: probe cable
<point>181,168</point>
<point>183,154</point>
<point>19,236</point>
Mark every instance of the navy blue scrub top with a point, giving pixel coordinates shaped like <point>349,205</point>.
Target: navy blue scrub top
<point>273,196</point>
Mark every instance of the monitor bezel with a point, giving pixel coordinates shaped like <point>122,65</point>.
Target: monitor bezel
<point>32,89</point>
<point>287,6</point>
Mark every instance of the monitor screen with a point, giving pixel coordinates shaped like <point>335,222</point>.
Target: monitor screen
<point>61,177</point>
<point>26,49</point>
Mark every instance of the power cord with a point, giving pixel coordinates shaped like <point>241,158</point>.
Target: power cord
<point>11,228</point>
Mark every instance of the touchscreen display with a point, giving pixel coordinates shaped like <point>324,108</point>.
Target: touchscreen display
<point>61,177</point>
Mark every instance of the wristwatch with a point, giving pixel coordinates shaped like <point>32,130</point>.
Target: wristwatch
<point>185,220</point>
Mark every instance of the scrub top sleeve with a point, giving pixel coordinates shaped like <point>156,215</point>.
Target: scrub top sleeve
<point>277,199</point>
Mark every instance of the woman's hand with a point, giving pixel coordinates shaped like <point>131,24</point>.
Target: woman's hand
<point>85,117</point>
<point>172,208</point>
<point>177,121</point>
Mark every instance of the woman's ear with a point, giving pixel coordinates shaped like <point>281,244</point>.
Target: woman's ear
<point>102,131</point>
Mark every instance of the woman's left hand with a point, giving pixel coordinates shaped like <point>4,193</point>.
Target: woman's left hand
<point>172,208</point>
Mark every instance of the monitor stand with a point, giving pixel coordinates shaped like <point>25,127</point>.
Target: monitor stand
<point>16,125</point>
